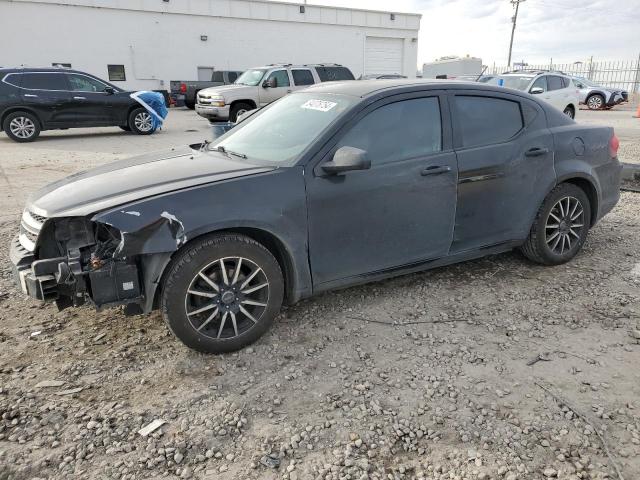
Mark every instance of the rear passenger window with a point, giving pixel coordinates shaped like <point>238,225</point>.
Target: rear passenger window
<point>302,77</point>
<point>332,74</point>
<point>487,120</point>
<point>44,81</point>
<point>398,131</point>
<point>555,83</point>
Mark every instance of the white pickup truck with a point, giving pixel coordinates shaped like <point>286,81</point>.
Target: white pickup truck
<point>260,86</point>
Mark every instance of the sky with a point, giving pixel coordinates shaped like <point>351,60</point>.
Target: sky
<point>566,31</point>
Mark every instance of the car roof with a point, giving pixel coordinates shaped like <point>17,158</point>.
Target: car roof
<point>36,69</point>
<point>366,88</point>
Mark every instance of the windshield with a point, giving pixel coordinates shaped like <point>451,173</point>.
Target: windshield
<point>280,133</point>
<point>251,77</point>
<point>511,81</point>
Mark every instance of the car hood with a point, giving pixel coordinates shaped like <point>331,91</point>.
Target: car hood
<point>227,90</point>
<point>125,181</point>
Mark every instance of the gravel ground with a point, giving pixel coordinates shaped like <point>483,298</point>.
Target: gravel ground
<point>491,369</point>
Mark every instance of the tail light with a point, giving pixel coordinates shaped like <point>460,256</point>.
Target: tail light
<point>183,88</point>
<point>614,144</point>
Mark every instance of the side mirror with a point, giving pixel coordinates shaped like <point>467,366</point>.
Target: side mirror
<point>536,90</point>
<point>271,83</point>
<point>346,159</point>
<point>109,90</point>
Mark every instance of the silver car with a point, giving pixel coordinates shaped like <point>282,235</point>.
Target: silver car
<point>597,97</point>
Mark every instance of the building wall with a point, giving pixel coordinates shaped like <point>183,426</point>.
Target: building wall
<point>160,41</point>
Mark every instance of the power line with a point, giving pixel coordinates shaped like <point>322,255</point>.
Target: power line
<point>513,28</point>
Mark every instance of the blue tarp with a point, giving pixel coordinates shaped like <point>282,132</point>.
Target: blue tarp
<point>154,103</point>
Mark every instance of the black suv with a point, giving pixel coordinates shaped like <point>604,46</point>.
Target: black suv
<point>35,99</point>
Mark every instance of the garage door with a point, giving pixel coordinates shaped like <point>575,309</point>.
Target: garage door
<point>383,55</point>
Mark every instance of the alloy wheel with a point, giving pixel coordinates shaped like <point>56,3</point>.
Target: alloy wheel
<point>595,102</point>
<point>143,121</point>
<point>569,112</point>
<point>227,297</point>
<point>22,127</point>
<point>564,225</point>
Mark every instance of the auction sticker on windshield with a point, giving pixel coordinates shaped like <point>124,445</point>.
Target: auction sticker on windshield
<point>320,105</point>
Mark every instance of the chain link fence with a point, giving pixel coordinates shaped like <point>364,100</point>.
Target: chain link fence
<point>620,75</point>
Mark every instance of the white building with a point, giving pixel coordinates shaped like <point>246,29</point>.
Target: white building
<point>150,42</point>
<point>452,67</point>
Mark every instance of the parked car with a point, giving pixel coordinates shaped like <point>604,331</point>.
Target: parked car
<point>260,86</point>
<point>380,76</point>
<point>36,99</point>
<point>596,97</point>
<point>553,87</point>
<point>185,91</point>
<point>339,184</point>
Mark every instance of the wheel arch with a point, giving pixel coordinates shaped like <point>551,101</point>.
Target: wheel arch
<point>589,188</point>
<point>267,239</point>
<point>20,108</point>
<point>247,101</point>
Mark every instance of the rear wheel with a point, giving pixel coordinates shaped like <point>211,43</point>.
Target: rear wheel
<point>222,293</point>
<point>140,121</point>
<point>22,127</point>
<point>595,102</point>
<point>238,109</point>
<point>570,111</point>
<point>561,226</point>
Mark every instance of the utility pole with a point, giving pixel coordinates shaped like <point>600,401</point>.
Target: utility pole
<point>513,28</point>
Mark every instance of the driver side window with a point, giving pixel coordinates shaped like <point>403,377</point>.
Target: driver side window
<point>281,76</point>
<point>541,82</point>
<point>398,131</point>
<point>80,83</point>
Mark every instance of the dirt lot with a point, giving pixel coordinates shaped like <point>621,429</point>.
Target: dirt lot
<point>492,369</point>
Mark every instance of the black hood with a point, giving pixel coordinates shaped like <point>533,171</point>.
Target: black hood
<point>121,182</point>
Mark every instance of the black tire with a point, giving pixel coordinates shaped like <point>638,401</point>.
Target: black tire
<point>569,111</point>
<point>190,105</point>
<point>136,123</point>
<point>237,109</point>
<point>542,245</point>
<point>206,333</point>
<point>126,128</point>
<point>595,102</point>
<point>22,127</point>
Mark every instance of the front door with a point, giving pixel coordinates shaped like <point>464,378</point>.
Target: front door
<point>282,87</point>
<point>398,212</point>
<point>505,167</point>
<point>91,104</point>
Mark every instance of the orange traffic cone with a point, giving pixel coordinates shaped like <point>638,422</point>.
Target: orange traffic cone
<point>637,115</point>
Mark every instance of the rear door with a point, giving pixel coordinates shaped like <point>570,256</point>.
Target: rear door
<point>46,93</point>
<point>302,78</point>
<point>505,167</point>
<point>558,92</point>
<point>91,104</point>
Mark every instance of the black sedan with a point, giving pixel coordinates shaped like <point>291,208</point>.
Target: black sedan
<point>335,185</point>
<point>36,99</point>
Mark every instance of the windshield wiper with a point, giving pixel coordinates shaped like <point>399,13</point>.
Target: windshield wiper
<point>228,153</point>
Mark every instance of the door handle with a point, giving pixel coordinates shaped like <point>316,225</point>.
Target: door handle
<point>435,170</point>
<point>79,98</point>
<point>30,95</point>
<point>536,152</point>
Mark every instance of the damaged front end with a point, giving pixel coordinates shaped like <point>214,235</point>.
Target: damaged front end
<point>74,260</point>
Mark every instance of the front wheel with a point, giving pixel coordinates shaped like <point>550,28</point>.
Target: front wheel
<point>22,127</point>
<point>561,226</point>
<point>237,110</point>
<point>141,122</point>
<point>595,102</point>
<point>221,293</point>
